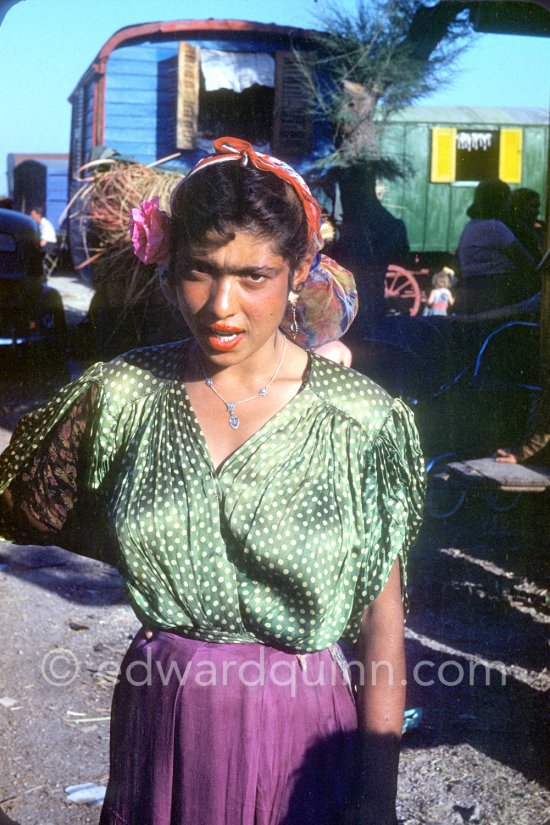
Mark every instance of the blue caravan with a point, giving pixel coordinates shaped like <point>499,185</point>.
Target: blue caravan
<point>158,89</point>
<point>164,91</point>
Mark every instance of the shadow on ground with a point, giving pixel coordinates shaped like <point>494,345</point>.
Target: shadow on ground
<point>478,634</point>
<point>74,578</point>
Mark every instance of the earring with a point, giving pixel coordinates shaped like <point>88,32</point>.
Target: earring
<point>293,300</point>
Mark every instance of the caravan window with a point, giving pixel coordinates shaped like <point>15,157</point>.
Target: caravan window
<point>258,96</point>
<point>236,95</point>
<point>477,154</point>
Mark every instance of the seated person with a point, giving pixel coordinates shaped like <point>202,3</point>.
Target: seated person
<point>496,269</point>
<point>535,448</point>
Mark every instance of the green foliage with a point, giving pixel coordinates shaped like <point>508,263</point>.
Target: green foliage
<point>376,49</point>
<point>387,55</point>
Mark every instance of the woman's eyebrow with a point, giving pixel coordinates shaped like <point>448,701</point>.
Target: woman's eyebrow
<point>214,269</point>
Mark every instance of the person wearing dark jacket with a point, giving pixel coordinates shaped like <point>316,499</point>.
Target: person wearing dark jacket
<point>496,269</point>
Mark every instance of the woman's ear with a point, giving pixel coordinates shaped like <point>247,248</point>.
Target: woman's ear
<point>300,274</point>
<point>167,289</point>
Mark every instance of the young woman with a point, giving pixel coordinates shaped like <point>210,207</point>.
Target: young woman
<point>258,500</point>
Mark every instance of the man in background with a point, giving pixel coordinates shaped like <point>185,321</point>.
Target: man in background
<point>48,237</point>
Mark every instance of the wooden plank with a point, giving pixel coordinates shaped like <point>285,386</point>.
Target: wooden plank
<point>120,97</point>
<point>511,477</point>
<point>130,83</point>
<point>145,115</point>
<point>414,190</point>
<point>187,113</point>
<point>292,131</point>
<point>121,133</point>
<point>535,159</point>
<point>435,212</point>
<point>128,61</point>
<point>77,149</point>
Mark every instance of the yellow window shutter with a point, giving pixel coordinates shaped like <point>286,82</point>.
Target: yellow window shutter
<point>509,162</point>
<point>187,116</point>
<point>443,155</point>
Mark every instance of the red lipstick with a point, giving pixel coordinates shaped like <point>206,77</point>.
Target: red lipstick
<point>225,328</point>
<point>227,339</point>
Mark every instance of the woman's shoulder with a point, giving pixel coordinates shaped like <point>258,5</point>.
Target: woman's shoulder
<point>496,227</point>
<point>143,371</point>
<point>351,393</point>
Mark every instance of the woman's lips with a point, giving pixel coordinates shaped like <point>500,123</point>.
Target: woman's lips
<point>224,338</point>
<point>224,328</point>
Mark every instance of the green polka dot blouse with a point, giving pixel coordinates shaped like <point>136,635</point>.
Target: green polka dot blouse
<point>286,543</point>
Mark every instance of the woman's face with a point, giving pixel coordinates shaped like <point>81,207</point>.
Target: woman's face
<point>233,296</point>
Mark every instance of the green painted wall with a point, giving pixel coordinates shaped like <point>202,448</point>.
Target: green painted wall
<point>435,213</point>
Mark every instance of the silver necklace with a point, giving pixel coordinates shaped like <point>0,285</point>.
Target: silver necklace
<point>234,420</point>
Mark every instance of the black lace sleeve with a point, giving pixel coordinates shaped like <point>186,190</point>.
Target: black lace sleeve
<point>48,502</point>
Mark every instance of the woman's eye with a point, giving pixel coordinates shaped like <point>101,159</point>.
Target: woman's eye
<point>196,275</point>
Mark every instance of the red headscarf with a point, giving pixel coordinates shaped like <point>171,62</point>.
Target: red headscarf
<point>231,149</point>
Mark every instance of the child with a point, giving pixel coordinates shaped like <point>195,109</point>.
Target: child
<point>441,297</point>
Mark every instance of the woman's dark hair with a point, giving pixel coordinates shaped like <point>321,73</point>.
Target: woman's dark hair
<point>226,197</point>
<point>524,198</point>
<point>491,200</point>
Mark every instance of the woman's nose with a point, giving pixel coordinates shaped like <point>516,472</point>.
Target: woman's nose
<point>222,297</point>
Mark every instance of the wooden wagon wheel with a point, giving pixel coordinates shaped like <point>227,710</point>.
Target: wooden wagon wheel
<point>401,290</point>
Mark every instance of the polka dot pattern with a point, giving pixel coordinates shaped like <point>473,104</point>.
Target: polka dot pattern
<point>288,542</point>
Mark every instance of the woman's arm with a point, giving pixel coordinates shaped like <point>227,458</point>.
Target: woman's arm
<point>538,436</point>
<point>44,492</point>
<point>48,502</point>
<point>380,706</point>
<point>533,444</point>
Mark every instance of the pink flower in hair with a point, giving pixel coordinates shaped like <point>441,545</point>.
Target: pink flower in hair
<point>149,233</point>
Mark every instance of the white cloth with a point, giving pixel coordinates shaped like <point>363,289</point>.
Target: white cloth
<point>47,232</point>
<point>236,70</point>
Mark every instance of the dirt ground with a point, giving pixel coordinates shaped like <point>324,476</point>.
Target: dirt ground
<point>477,644</point>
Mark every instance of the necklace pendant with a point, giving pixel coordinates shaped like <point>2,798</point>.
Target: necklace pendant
<point>234,420</point>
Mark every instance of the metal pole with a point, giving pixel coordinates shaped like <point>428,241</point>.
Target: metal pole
<point>545,281</point>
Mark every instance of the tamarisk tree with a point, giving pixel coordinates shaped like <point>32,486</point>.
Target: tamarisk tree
<point>369,64</point>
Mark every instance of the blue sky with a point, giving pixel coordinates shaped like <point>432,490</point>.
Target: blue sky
<point>46,45</point>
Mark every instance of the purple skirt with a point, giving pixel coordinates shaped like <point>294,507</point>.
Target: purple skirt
<point>229,734</point>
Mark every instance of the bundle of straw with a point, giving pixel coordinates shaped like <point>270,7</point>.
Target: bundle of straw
<point>101,211</point>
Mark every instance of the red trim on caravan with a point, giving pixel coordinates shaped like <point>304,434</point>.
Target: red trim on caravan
<point>143,30</point>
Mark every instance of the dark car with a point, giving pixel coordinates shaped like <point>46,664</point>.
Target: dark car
<point>31,313</point>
